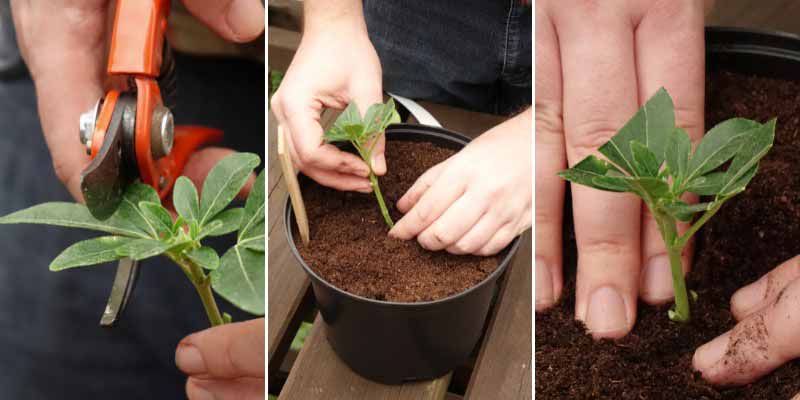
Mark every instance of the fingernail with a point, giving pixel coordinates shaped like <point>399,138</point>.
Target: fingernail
<point>606,315</point>
<point>748,297</point>
<point>544,286</point>
<point>365,189</point>
<point>197,391</point>
<point>189,360</point>
<point>708,354</point>
<point>379,164</point>
<point>245,19</point>
<point>656,280</point>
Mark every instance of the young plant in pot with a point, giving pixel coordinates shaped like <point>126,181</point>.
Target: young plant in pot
<point>392,311</point>
<point>142,228</point>
<point>721,166</point>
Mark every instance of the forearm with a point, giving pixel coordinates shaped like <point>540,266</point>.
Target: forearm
<point>322,13</point>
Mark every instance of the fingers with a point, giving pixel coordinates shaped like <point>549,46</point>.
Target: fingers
<point>310,153</point>
<point>431,205</point>
<point>234,20</point>
<point>757,345</point>
<point>550,158</point>
<point>500,240</point>
<point>228,351</point>
<point>658,56</point>
<point>420,186</point>
<point>378,156</point>
<point>655,281</point>
<point>365,94</point>
<point>228,389</point>
<point>479,235</point>
<point>63,46</point>
<point>456,221</point>
<point>763,292</point>
<point>597,102</point>
<point>329,178</point>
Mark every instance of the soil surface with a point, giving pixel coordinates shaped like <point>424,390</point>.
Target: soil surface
<point>350,247</point>
<point>752,233</point>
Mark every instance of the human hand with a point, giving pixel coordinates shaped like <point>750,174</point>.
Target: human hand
<point>64,45</point>
<point>595,64</point>
<point>335,64</point>
<point>768,311</point>
<point>476,201</point>
<point>225,362</point>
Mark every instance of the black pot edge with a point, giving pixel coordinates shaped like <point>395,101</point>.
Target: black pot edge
<point>511,248</point>
<point>761,41</point>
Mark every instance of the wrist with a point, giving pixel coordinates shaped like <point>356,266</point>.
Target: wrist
<point>341,16</point>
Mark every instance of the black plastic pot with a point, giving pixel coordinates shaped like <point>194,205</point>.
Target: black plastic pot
<point>393,342</point>
<point>755,52</point>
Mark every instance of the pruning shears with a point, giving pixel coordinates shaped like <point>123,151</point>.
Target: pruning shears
<point>130,133</point>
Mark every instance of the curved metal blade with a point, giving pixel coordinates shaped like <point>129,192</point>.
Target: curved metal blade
<point>124,282</point>
<point>103,181</point>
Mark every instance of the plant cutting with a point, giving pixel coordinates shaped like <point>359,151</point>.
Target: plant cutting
<point>652,158</point>
<point>363,134</point>
<point>142,228</point>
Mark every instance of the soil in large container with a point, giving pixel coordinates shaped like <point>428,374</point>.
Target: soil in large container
<point>751,234</point>
<point>350,247</point>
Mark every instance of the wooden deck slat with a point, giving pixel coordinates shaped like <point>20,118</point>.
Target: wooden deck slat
<point>503,369</point>
<point>319,374</point>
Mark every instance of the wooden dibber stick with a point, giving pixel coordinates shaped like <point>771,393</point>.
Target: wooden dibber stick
<point>290,177</point>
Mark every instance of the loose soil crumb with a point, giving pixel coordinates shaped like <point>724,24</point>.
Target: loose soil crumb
<point>350,248</point>
<point>752,233</point>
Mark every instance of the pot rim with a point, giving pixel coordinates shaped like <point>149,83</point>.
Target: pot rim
<point>511,248</point>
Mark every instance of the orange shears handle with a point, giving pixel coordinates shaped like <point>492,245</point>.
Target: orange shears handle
<point>137,41</point>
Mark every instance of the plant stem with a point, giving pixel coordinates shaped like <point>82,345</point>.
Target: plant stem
<point>669,232</point>
<point>377,189</point>
<point>202,283</point>
<point>683,240</point>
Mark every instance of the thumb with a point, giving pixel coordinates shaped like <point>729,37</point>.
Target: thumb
<point>365,98</point>
<point>234,20</point>
<point>227,351</point>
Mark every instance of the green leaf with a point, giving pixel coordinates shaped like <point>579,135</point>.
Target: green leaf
<point>252,225</point>
<point>89,252</point>
<point>378,117</point>
<point>348,126</point>
<point>158,216</point>
<point>649,188</point>
<point>205,257</point>
<point>208,230</point>
<point>707,185</point>
<point>719,145</point>
<point>184,197</point>
<point>684,211</point>
<point>72,215</point>
<point>230,220</point>
<point>739,185</point>
<point>240,279</point>
<point>223,183</point>
<point>746,159</point>
<point>649,126</point>
<point>129,207</point>
<point>644,160</point>
<point>139,249</point>
<point>255,238</point>
<point>226,318</point>
<point>595,173</point>
<point>676,153</point>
